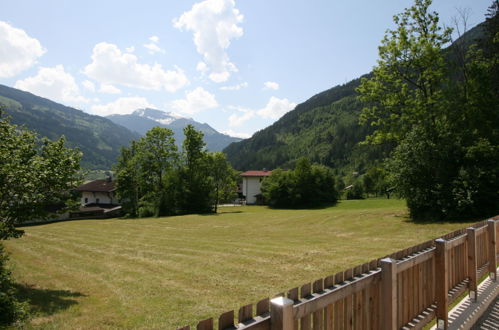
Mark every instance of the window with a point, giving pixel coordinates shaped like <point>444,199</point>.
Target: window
<point>86,200</point>
<point>97,201</point>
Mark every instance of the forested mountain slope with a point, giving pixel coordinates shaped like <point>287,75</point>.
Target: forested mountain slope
<point>325,128</point>
<point>98,138</point>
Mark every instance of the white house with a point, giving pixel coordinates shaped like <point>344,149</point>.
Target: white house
<point>98,192</point>
<point>252,183</point>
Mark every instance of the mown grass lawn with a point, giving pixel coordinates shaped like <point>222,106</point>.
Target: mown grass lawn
<point>171,272</point>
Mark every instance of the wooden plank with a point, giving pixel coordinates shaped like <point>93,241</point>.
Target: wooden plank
<point>293,295</point>
<point>459,240</point>
<point>305,319</point>
<point>329,311</point>
<point>389,294</point>
<point>348,304</point>
<point>263,306</point>
<point>245,313</point>
<point>338,305</point>
<point>472,263</point>
<point>357,303</point>
<point>226,320</point>
<point>205,324</point>
<point>318,316</point>
<point>441,282</point>
<point>374,306</point>
<point>491,226</point>
<point>316,302</point>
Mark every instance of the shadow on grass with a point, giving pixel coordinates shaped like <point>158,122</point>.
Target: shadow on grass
<point>45,301</point>
<point>470,221</point>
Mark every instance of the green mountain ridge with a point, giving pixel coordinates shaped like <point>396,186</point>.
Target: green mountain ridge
<point>325,129</point>
<point>98,138</point>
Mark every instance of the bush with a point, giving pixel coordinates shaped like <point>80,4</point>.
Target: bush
<point>306,186</point>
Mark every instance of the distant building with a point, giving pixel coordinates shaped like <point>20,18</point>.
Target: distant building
<point>252,183</point>
<point>98,192</point>
<point>98,200</point>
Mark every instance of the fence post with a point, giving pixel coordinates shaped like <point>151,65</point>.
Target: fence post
<point>441,283</point>
<point>472,263</point>
<point>491,224</point>
<point>389,293</point>
<point>281,314</point>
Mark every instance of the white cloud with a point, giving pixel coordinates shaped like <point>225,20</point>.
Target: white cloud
<point>195,101</point>
<point>111,66</point>
<point>53,83</point>
<point>271,85</point>
<point>214,23</point>
<point>274,109</point>
<point>234,87</point>
<point>153,45</point>
<point>153,48</point>
<point>123,105</point>
<point>89,85</point>
<point>130,49</point>
<point>18,51</point>
<point>236,134</point>
<point>201,66</point>
<point>109,89</point>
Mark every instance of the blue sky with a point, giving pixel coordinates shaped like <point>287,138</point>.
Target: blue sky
<point>237,65</point>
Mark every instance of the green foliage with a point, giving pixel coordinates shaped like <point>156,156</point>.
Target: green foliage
<point>306,186</point>
<point>36,177</point>
<point>441,109</point>
<point>154,179</point>
<point>11,310</point>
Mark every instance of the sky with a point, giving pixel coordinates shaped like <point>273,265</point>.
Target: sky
<point>238,65</point>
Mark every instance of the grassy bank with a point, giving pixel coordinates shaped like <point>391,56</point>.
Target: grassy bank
<point>170,272</point>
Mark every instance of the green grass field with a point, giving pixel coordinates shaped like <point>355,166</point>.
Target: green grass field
<point>170,272</point>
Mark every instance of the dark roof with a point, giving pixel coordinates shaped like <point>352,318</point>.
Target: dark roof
<point>256,173</point>
<point>103,185</point>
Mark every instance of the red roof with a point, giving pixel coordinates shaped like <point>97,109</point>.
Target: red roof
<point>256,173</point>
<point>103,185</point>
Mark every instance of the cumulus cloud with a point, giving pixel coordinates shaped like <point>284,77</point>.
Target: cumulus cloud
<point>111,66</point>
<point>214,23</point>
<point>274,109</point>
<point>53,83</point>
<point>236,134</point>
<point>18,51</point>
<point>123,105</point>
<point>153,45</point>
<point>88,85</point>
<point>195,101</point>
<point>109,89</point>
<point>234,87</point>
<point>271,85</point>
<point>130,49</point>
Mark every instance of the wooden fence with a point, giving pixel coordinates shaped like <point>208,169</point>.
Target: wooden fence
<point>404,290</point>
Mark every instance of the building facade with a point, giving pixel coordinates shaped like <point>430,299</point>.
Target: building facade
<point>252,184</point>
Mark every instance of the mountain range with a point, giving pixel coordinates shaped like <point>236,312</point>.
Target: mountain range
<point>98,138</point>
<point>142,120</point>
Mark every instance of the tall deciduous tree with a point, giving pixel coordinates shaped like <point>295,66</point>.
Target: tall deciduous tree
<point>223,178</point>
<point>36,180</point>
<point>445,125</point>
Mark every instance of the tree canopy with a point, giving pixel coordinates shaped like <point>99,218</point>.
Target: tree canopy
<point>441,110</point>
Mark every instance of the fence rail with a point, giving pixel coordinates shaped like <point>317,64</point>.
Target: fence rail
<point>405,290</point>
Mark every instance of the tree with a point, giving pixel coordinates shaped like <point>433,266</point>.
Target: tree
<point>308,185</point>
<point>37,177</point>
<point>443,121</point>
<point>223,178</point>
<point>145,174</point>
<point>196,188</point>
